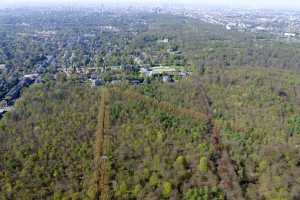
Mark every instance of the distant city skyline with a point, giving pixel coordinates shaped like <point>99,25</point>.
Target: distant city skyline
<point>291,4</point>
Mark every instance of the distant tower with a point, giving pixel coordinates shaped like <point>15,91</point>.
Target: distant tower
<point>101,9</point>
<point>72,6</point>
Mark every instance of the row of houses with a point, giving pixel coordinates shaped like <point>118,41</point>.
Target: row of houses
<point>3,110</point>
<point>26,81</point>
<point>163,73</point>
<point>6,104</point>
<point>88,71</point>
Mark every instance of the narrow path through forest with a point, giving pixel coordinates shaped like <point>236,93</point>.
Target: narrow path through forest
<point>228,179</point>
<point>102,144</point>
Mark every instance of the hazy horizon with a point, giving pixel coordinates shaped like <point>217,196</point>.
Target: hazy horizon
<point>284,4</point>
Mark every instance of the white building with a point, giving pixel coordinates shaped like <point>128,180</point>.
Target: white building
<point>31,76</point>
<point>289,34</point>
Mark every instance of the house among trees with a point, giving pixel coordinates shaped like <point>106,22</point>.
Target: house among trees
<point>2,67</point>
<point>167,78</point>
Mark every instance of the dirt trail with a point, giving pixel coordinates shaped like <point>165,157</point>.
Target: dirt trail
<point>229,180</point>
<point>101,149</point>
<point>165,106</point>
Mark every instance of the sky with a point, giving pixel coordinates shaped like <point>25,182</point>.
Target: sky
<point>228,3</point>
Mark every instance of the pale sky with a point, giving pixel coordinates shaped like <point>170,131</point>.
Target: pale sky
<point>230,3</point>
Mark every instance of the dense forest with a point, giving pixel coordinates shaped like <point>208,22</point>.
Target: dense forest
<point>158,139</point>
<point>46,142</point>
<point>228,130</point>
